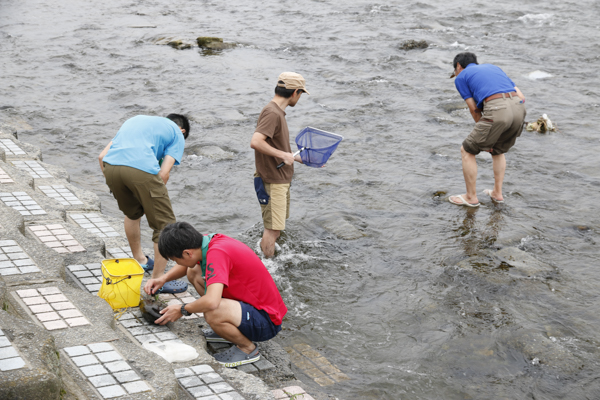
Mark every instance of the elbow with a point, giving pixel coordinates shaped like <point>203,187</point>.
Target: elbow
<point>213,305</point>
<point>253,144</point>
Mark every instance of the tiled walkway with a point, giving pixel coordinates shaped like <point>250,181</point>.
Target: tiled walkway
<point>4,177</point>
<point>57,238</point>
<point>52,308</point>
<point>14,260</point>
<point>95,224</point>
<point>313,364</point>
<point>33,168</point>
<point>9,357</point>
<point>203,383</point>
<point>11,148</point>
<point>291,392</point>
<point>89,275</point>
<point>143,331</point>
<point>22,202</point>
<point>120,252</point>
<point>61,194</point>
<point>106,370</point>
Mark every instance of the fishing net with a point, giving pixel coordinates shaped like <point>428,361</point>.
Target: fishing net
<point>318,146</point>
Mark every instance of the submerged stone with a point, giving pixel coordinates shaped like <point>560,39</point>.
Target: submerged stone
<point>175,43</point>
<point>213,152</point>
<point>522,262</point>
<point>414,44</point>
<point>341,228</point>
<point>213,43</point>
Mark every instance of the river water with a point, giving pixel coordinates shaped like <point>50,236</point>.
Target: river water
<point>411,305</point>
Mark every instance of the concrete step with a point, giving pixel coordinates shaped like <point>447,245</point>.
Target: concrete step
<point>29,360</point>
<point>62,340</point>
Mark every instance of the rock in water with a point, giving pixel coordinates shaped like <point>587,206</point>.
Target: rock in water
<point>341,228</point>
<point>213,43</point>
<point>414,44</point>
<point>522,262</point>
<point>175,43</point>
<point>213,152</point>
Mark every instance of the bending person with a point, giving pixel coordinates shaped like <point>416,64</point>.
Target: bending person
<point>137,178</point>
<point>241,302</point>
<point>498,109</point>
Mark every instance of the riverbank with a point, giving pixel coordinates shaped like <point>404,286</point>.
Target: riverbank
<point>58,339</point>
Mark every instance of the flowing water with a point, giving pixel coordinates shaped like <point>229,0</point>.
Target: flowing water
<point>412,304</point>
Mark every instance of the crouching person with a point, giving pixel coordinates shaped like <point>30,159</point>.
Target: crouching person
<point>240,300</point>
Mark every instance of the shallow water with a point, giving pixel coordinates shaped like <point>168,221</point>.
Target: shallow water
<point>392,309</point>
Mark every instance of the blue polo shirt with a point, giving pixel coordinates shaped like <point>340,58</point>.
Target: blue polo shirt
<point>481,81</point>
<point>143,140</point>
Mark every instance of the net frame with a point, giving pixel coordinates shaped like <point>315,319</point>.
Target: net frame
<point>316,154</point>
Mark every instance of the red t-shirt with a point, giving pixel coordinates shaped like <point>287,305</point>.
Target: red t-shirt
<point>245,277</point>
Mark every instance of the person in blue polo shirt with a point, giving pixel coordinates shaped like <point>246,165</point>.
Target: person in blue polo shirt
<point>136,165</point>
<point>498,108</point>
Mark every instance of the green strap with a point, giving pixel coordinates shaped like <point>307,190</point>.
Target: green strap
<point>205,241</point>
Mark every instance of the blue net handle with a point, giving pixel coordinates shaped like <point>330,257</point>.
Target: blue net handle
<point>318,145</point>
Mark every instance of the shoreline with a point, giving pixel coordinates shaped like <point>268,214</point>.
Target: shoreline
<point>54,237</point>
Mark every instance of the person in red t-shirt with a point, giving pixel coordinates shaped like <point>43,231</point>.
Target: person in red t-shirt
<point>240,300</point>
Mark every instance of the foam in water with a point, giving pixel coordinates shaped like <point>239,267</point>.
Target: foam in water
<point>536,19</point>
<point>538,75</point>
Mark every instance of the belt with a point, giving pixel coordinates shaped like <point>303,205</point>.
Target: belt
<point>498,95</point>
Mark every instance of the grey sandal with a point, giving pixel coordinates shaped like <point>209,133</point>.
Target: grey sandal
<point>235,357</point>
<point>211,336</point>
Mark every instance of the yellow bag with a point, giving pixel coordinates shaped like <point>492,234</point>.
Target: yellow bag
<point>121,281</point>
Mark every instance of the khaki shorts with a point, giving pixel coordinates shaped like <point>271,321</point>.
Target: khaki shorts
<point>278,208</point>
<point>500,125</point>
<point>138,193</point>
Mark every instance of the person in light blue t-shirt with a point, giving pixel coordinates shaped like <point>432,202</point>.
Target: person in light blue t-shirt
<point>498,108</point>
<point>136,165</point>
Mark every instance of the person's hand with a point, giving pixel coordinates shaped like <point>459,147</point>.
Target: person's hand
<point>288,158</point>
<point>153,285</point>
<point>170,314</point>
<point>164,175</point>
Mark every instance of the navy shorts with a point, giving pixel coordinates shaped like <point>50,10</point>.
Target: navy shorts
<point>256,324</point>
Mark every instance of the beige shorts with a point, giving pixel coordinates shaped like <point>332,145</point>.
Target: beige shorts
<point>138,193</point>
<point>498,128</point>
<point>278,210</point>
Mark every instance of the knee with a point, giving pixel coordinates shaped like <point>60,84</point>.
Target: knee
<point>210,317</point>
<point>467,151</point>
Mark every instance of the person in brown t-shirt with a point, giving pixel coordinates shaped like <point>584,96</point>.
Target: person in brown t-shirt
<point>271,144</point>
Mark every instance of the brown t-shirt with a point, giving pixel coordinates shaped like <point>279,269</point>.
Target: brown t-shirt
<point>272,124</point>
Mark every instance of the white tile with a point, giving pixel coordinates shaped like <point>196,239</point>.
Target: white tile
<point>100,347</point>
<point>76,350</point>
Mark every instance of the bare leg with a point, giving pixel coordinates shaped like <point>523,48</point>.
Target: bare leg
<point>267,244</point>
<point>133,233</point>
<point>159,263</point>
<point>499,163</point>
<point>225,320</point>
<point>469,165</point>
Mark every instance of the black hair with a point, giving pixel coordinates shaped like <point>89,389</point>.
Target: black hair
<point>182,122</point>
<point>464,59</point>
<point>177,237</point>
<point>283,92</point>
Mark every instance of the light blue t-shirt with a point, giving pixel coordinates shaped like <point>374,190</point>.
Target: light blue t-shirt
<point>482,81</point>
<point>143,140</point>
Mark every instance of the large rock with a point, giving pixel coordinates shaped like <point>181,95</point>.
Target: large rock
<point>522,263</point>
<point>213,43</point>
<point>213,152</point>
<point>339,226</point>
<point>414,44</point>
